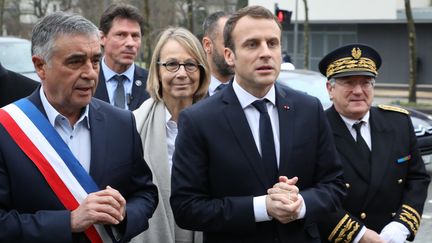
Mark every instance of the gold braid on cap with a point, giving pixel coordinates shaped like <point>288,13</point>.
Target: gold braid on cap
<point>354,63</point>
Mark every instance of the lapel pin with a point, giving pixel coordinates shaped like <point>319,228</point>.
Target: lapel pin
<point>286,107</point>
<point>138,83</point>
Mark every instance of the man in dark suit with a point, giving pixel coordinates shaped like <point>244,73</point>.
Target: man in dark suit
<point>14,86</point>
<point>121,82</point>
<point>255,176</point>
<point>79,168</point>
<point>384,172</point>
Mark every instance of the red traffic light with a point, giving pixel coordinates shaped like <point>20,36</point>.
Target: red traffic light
<point>283,16</point>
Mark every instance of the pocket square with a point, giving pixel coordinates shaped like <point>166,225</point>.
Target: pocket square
<point>404,159</point>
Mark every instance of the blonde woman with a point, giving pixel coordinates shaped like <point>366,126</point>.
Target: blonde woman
<point>178,77</point>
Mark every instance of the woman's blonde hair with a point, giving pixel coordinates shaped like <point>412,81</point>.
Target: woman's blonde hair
<point>192,45</point>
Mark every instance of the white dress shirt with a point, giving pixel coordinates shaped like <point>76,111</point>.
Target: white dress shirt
<point>76,136</point>
<point>214,83</point>
<point>111,84</point>
<point>253,116</point>
<point>171,133</point>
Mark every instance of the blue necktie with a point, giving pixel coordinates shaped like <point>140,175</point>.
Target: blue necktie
<point>220,87</point>
<point>268,151</point>
<point>119,92</point>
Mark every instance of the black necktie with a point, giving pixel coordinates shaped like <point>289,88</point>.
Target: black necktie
<point>119,92</point>
<point>361,143</point>
<point>268,152</point>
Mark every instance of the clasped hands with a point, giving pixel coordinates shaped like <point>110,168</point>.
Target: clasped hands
<point>102,207</point>
<point>283,201</point>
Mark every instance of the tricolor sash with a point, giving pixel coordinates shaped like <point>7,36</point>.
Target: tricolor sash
<point>38,139</point>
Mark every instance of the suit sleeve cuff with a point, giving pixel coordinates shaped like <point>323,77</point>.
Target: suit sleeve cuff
<point>303,209</point>
<point>260,209</point>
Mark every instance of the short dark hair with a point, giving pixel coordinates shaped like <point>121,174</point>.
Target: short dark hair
<point>210,23</point>
<point>257,12</point>
<point>123,11</point>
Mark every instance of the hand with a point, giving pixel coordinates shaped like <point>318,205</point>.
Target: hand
<point>281,211</point>
<point>371,236</point>
<point>283,201</point>
<point>285,185</point>
<point>103,207</point>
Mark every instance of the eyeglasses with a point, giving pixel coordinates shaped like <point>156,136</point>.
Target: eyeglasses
<point>351,84</point>
<point>174,66</point>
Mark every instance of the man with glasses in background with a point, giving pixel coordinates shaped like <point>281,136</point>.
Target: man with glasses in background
<point>384,172</point>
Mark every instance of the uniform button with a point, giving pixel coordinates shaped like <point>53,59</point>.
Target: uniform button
<point>362,215</point>
<point>400,181</point>
<point>347,185</point>
<point>393,214</point>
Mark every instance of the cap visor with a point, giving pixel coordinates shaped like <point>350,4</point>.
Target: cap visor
<point>353,73</point>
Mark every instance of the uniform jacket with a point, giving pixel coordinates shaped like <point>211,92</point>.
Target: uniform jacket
<point>29,209</point>
<point>14,86</point>
<point>139,93</point>
<point>217,169</point>
<point>395,189</point>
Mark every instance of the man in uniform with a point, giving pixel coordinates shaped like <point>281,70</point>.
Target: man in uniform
<point>384,172</point>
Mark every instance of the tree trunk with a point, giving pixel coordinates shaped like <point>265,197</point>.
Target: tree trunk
<point>190,15</point>
<point>146,35</point>
<point>306,36</point>
<point>2,3</point>
<point>412,53</point>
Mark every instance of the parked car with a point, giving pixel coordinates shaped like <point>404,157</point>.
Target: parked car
<point>15,55</point>
<point>314,83</point>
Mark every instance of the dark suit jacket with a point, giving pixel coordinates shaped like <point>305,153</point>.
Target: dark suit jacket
<point>217,169</point>
<point>392,191</point>
<point>14,86</point>
<point>139,84</point>
<point>29,209</point>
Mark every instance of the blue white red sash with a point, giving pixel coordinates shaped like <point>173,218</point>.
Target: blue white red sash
<point>38,139</point>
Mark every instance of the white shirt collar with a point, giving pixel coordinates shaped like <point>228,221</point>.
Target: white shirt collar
<point>245,98</point>
<point>52,113</point>
<point>350,122</point>
<point>109,73</point>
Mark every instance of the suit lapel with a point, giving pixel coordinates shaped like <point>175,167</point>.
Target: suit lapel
<point>98,128</point>
<point>346,144</point>
<point>286,112</point>
<point>138,92</point>
<point>241,130</point>
<point>381,135</point>
<point>101,90</point>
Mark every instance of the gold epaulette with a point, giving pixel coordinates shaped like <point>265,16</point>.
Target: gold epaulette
<point>393,108</point>
<point>345,230</point>
<point>410,217</point>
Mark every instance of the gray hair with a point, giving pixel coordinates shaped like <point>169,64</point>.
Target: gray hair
<point>49,28</point>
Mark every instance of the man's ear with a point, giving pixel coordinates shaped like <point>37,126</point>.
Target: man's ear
<point>102,38</point>
<point>329,89</point>
<point>39,64</point>
<point>229,56</point>
<point>207,45</point>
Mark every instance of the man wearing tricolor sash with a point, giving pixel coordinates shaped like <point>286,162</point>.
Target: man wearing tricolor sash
<point>71,166</point>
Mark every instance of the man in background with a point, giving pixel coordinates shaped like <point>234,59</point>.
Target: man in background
<point>213,44</point>
<point>14,86</point>
<point>121,82</point>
